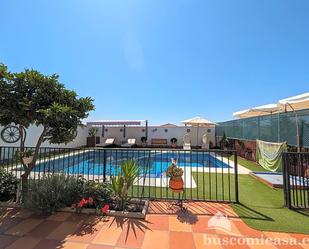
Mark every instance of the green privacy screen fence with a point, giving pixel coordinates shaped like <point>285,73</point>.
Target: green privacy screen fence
<point>278,127</point>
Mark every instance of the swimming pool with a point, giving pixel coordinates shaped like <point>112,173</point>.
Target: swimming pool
<point>151,163</point>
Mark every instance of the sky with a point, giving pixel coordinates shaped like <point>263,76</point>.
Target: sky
<point>163,60</point>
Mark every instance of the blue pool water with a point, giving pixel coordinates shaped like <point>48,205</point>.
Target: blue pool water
<point>151,164</point>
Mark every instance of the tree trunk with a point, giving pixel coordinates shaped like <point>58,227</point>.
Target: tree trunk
<point>24,185</point>
<point>28,167</point>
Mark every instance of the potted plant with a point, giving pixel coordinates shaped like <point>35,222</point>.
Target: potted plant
<point>175,174</point>
<point>174,142</point>
<point>92,138</point>
<point>144,141</point>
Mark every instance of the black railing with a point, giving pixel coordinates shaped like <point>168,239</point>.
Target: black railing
<point>210,175</point>
<point>296,179</point>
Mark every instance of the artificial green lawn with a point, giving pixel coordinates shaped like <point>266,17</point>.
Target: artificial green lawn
<point>248,164</point>
<point>262,208</point>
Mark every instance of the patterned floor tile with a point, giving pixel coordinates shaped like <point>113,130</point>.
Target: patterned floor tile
<point>73,245</point>
<point>233,242</point>
<point>49,244</point>
<point>201,225</point>
<point>108,235</point>
<point>262,247</point>
<point>277,235</point>
<point>181,240</point>
<point>178,225</point>
<point>289,246</point>
<point>44,228</point>
<point>78,217</point>
<point>305,246</point>
<point>157,222</point>
<point>244,229</point>
<point>93,246</point>
<point>7,223</point>
<point>86,232</point>
<point>6,240</point>
<point>24,227</point>
<point>64,230</point>
<point>132,236</point>
<point>156,239</point>
<point>24,243</point>
<point>59,216</point>
<point>206,241</point>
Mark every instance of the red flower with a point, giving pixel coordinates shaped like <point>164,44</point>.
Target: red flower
<point>82,203</point>
<point>90,200</point>
<point>105,209</point>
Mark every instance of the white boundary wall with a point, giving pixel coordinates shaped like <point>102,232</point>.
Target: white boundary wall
<point>33,133</point>
<point>131,132</point>
<point>157,132</point>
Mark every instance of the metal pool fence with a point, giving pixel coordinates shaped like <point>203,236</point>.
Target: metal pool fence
<point>296,179</point>
<point>210,175</point>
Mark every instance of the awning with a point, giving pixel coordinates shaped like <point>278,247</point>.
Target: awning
<point>258,111</point>
<point>294,103</point>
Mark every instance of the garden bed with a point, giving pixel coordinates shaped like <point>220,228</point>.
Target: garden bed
<point>136,209</point>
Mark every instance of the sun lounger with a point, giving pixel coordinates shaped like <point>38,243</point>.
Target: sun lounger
<point>108,142</point>
<point>130,143</point>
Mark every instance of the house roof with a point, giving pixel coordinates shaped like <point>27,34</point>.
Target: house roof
<point>168,125</point>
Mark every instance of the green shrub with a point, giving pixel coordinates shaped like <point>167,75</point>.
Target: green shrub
<point>74,189</point>
<point>8,186</point>
<point>100,192</point>
<point>50,193</point>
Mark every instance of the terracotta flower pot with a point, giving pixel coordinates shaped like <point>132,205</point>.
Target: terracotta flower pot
<point>176,184</point>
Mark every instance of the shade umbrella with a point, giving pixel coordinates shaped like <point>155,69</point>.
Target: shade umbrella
<point>294,103</point>
<point>258,111</point>
<point>197,122</point>
<point>298,102</point>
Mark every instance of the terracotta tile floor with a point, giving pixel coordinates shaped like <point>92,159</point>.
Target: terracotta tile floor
<point>164,227</point>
